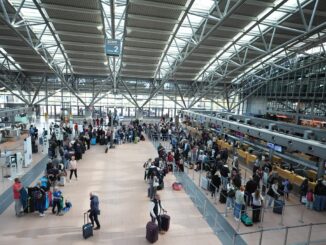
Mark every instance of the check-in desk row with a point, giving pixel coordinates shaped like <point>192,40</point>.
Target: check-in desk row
<point>293,178</point>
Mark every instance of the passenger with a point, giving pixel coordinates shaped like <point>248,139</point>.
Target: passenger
<point>57,197</point>
<point>73,167</point>
<point>94,211</point>
<point>215,184</point>
<point>273,193</point>
<point>251,187</point>
<point>155,210</point>
<point>17,187</point>
<point>320,195</point>
<point>239,205</point>
<point>40,199</point>
<point>257,202</point>
<point>303,190</point>
<point>230,195</point>
<point>286,188</point>
<point>146,166</point>
<point>310,199</point>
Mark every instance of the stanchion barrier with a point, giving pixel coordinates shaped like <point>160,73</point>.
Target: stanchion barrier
<point>261,237</point>
<point>301,216</point>
<point>286,235</point>
<point>309,234</point>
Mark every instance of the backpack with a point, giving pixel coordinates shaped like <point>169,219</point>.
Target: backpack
<point>310,196</point>
<point>290,187</point>
<point>231,193</point>
<point>38,195</point>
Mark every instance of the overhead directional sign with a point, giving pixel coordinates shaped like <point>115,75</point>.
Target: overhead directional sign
<point>112,47</point>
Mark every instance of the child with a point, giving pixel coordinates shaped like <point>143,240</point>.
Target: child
<point>57,195</point>
<point>286,186</point>
<point>310,199</point>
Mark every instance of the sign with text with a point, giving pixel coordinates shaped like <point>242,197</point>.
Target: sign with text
<point>113,47</point>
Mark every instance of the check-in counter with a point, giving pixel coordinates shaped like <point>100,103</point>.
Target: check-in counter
<point>226,145</point>
<point>219,143</point>
<point>242,155</point>
<point>297,179</point>
<point>276,160</point>
<point>251,158</point>
<point>312,185</point>
<point>285,174</point>
<point>311,174</point>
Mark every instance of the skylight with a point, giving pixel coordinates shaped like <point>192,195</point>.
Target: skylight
<point>226,53</point>
<point>34,19</point>
<point>188,28</point>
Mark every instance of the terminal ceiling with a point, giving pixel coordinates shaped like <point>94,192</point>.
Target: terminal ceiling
<point>199,48</point>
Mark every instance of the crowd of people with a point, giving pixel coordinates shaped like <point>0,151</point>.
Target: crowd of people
<point>264,188</point>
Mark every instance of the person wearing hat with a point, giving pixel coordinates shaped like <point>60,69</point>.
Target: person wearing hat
<point>17,186</point>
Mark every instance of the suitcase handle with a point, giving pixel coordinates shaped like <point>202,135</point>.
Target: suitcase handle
<point>86,220</point>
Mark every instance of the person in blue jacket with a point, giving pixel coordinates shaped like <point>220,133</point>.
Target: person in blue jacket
<point>56,196</point>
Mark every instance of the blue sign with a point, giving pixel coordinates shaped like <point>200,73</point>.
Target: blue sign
<point>113,47</point>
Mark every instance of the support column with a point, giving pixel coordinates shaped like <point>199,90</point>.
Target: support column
<point>321,169</point>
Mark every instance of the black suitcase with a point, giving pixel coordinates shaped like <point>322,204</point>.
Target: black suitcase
<point>165,222</point>
<point>278,206</point>
<point>151,232</point>
<point>34,149</point>
<point>87,227</point>
<point>223,195</point>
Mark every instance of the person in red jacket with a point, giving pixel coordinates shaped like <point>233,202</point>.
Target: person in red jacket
<point>17,186</point>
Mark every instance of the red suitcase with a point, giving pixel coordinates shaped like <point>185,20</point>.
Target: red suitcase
<point>151,232</point>
<point>165,222</point>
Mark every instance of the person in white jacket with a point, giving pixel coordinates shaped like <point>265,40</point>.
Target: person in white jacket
<point>73,167</point>
<point>156,210</point>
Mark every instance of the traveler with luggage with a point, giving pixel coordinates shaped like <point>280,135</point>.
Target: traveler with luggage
<point>239,205</point>
<point>17,186</point>
<point>73,167</point>
<point>94,211</point>
<point>155,211</point>
<point>287,186</point>
<point>40,199</point>
<point>257,202</point>
<point>57,197</point>
<point>320,195</point>
<point>272,192</point>
<point>303,190</point>
<point>215,184</point>
<point>310,199</point>
<point>146,166</point>
<point>230,195</point>
<point>251,187</point>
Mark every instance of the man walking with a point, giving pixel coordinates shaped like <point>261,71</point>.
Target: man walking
<point>155,211</point>
<point>94,211</point>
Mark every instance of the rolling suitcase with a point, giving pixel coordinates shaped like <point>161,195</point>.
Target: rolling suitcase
<point>165,222</point>
<point>93,141</point>
<point>62,181</point>
<point>87,227</point>
<point>246,220</point>
<point>223,196</point>
<point>278,206</point>
<point>151,232</point>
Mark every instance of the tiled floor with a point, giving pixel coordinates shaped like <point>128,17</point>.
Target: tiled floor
<point>117,178</point>
<point>294,215</point>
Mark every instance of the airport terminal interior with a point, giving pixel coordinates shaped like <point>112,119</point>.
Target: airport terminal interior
<point>184,122</point>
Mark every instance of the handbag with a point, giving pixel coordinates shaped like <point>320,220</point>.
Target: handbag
<point>98,212</point>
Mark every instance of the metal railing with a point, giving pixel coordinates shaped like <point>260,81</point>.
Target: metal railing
<point>232,235</point>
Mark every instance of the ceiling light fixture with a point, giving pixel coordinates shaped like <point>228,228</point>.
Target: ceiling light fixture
<point>99,27</point>
<point>106,63</point>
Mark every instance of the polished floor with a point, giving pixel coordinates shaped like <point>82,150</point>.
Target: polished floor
<point>117,178</point>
